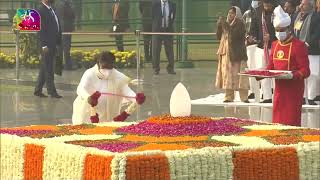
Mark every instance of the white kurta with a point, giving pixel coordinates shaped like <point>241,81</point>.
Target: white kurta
<point>312,83</point>
<point>108,106</point>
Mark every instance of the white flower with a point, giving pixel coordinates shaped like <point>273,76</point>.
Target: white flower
<point>76,137</point>
<point>11,157</point>
<point>271,127</point>
<point>243,140</point>
<point>309,160</point>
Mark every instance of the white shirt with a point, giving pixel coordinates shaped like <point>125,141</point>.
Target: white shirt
<point>108,107</point>
<point>167,12</point>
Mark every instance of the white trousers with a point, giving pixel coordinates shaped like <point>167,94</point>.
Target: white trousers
<point>312,83</point>
<point>256,61</point>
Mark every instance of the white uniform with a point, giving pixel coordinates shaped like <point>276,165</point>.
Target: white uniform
<point>312,83</point>
<point>108,106</point>
<point>256,61</point>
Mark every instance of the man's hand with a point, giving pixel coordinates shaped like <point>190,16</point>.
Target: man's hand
<point>266,38</point>
<point>122,117</point>
<point>45,49</point>
<point>221,20</point>
<point>95,118</point>
<point>285,76</point>
<point>259,78</point>
<point>140,98</point>
<point>93,99</point>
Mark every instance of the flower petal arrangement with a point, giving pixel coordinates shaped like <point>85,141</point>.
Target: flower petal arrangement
<point>161,147</point>
<point>261,73</point>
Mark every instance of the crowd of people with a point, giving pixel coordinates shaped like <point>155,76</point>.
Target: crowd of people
<point>267,36</point>
<point>58,17</point>
<point>259,34</point>
<point>272,36</point>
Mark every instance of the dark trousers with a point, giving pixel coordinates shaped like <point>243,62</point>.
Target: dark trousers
<point>147,41</point>
<point>46,72</point>
<point>66,39</point>
<point>119,42</point>
<point>157,41</point>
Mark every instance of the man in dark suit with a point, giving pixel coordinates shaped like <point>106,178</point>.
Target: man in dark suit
<point>50,37</point>
<point>120,12</point>
<point>145,7</point>
<point>163,15</point>
<point>66,16</point>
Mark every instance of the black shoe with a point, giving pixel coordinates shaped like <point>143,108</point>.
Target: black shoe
<point>170,71</point>
<point>266,101</point>
<point>304,101</point>
<point>156,72</point>
<point>227,101</point>
<point>246,101</point>
<point>251,96</point>
<point>56,96</point>
<point>40,95</point>
<point>317,98</point>
<point>311,102</point>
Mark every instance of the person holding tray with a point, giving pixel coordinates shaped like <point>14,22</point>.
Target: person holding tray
<point>288,54</point>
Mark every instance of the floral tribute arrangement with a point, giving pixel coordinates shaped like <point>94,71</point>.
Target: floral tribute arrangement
<point>161,147</point>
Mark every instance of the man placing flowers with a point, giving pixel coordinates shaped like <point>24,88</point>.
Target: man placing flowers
<point>101,92</point>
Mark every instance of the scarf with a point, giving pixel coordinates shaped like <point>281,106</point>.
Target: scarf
<point>265,44</point>
<point>304,34</point>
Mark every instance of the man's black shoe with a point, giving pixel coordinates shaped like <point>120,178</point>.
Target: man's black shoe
<point>311,102</point>
<point>56,96</point>
<point>304,101</point>
<point>251,96</point>
<point>266,101</point>
<point>40,95</point>
<point>317,98</point>
<point>171,72</point>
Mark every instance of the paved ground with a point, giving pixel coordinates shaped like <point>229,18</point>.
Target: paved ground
<point>18,106</point>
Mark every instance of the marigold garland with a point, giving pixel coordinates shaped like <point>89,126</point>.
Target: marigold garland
<point>264,133</point>
<point>151,167</point>
<point>266,164</point>
<point>168,119</point>
<point>311,138</point>
<point>98,130</point>
<point>97,167</point>
<point>285,139</point>
<point>38,127</point>
<point>33,162</point>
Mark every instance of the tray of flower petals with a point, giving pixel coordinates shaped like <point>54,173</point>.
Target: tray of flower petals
<point>260,73</point>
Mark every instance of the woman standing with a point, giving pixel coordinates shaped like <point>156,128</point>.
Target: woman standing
<point>232,56</point>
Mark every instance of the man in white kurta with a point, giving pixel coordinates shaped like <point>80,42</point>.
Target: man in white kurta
<point>103,81</point>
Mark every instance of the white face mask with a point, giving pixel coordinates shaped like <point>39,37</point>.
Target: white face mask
<point>105,72</point>
<point>281,35</point>
<point>255,4</point>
